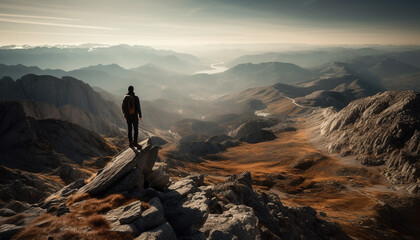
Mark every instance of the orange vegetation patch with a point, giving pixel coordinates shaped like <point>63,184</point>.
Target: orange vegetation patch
<point>83,222</point>
<point>344,191</point>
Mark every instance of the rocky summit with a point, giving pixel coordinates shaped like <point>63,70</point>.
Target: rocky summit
<point>383,129</point>
<point>184,209</point>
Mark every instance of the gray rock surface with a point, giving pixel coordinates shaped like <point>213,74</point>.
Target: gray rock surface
<point>120,174</point>
<point>163,232</point>
<point>238,222</point>
<point>186,206</point>
<point>151,217</point>
<point>60,92</point>
<point>158,178</point>
<point>8,230</point>
<point>122,164</point>
<point>69,113</point>
<point>383,128</point>
<point>132,218</point>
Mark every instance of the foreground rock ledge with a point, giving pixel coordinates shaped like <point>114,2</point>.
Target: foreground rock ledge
<point>128,166</point>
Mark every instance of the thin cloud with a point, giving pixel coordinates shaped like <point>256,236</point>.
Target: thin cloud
<point>37,17</point>
<point>55,24</point>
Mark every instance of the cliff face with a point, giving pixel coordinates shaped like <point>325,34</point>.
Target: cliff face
<point>381,129</point>
<point>61,92</point>
<point>69,113</point>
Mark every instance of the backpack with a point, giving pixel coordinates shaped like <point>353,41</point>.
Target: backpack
<point>131,105</point>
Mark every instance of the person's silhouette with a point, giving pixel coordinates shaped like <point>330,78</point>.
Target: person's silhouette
<point>131,109</point>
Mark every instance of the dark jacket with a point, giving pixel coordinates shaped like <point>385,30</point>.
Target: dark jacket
<point>125,104</point>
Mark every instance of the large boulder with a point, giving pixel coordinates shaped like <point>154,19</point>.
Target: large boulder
<point>187,214</point>
<point>118,175</point>
<point>163,232</point>
<point>158,178</point>
<point>132,218</point>
<point>238,222</point>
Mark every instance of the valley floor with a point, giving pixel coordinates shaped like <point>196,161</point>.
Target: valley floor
<point>294,167</point>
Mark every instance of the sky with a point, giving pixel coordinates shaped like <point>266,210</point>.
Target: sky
<point>201,22</point>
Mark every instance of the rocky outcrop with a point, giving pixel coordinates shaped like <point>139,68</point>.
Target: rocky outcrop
<point>187,209</point>
<point>382,129</point>
<point>255,131</point>
<point>126,172</point>
<point>252,126</point>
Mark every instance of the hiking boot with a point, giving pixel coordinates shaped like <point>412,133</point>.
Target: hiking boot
<point>137,146</point>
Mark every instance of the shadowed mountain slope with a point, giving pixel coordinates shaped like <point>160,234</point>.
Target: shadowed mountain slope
<point>60,92</point>
<point>38,156</point>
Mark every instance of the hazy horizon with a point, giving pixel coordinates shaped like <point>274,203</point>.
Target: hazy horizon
<point>196,22</point>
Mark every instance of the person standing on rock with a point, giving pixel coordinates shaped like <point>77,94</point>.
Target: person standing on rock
<point>131,109</point>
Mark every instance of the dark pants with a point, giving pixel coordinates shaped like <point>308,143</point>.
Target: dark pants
<point>133,121</point>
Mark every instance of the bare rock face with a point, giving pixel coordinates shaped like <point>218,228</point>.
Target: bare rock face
<point>126,172</point>
<point>163,232</point>
<point>238,222</point>
<point>60,92</point>
<point>382,129</point>
<point>69,113</point>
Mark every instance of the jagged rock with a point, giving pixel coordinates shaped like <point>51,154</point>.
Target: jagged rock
<point>187,215</point>
<point>17,206</point>
<point>132,180</point>
<point>158,178</point>
<point>8,230</point>
<point>147,159</point>
<point>120,165</point>
<point>239,221</point>
<point>5,212</point>
<point>130,212</point>
<point>132,218</point>
<point>152,217</point>
<point>181,188</point>
<point>124,163</point>
<point>163,232</point>
<point>395,141</point>
<point>259,136</point>
<point>275,220</point>
<point>244,178</point>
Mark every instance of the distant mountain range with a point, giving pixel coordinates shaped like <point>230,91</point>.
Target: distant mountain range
<point>78,57</point>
